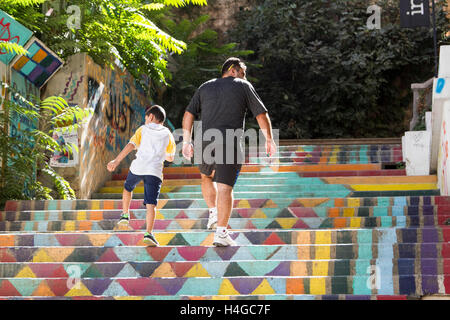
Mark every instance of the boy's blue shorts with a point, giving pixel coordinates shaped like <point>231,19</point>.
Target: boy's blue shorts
<point>152,187</point>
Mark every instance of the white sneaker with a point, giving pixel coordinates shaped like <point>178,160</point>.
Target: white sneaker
<point>212,218</point>
<point>223,240</point>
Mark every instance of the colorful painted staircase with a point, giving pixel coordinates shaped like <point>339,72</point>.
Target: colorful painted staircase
<point>313,222</point>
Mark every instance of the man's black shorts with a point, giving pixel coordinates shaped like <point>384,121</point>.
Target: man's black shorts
<point>226,170</point>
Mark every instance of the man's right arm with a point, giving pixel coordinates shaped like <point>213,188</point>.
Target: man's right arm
<point>188,121</point>
<point>266,127</point>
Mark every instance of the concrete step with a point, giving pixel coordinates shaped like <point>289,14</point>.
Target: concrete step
<point>291,181</point>
<point>360,249</point>
<point>390,285</point>
<point>320,174</point>
<point>267,297</point>
<point>33,205</point>
<point>262,237</point>
<point>312,184</point>
<point>202,213</point>
<point>236,224</point>
<point>377,191</point>
<point>221,269</point>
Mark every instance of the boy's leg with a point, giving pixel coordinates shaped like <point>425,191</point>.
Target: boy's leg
<point>126,200</point>
<point>127,194</point>
<point>152,188</point>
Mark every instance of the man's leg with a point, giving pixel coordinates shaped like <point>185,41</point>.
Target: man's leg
<point>150,219</point>
<point>224,204</point>
<point>209,190</point>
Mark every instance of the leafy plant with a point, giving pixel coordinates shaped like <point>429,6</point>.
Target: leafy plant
<point>26,157</point>
<point>109,29</point>
<point>325,71</point>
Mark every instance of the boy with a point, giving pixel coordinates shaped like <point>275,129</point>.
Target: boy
<point>155,143</point>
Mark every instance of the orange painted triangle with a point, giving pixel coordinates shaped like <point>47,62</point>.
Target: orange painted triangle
<point>180,269</point>
<point>273,239</point>
<point>43,290</point>
<point>186,224</point>
<point>164,271</point>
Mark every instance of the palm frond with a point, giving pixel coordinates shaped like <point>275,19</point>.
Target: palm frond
<point>12,47</point>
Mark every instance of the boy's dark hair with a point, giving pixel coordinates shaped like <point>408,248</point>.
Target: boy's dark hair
<point>232,62</point>
<point>158,112</point>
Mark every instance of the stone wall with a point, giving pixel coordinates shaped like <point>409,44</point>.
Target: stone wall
<point>119,108</point>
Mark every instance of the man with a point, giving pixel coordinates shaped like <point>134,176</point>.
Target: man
<point>222,104</point>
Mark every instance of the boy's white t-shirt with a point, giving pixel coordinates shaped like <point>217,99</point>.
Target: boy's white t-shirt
<point>154,142</point>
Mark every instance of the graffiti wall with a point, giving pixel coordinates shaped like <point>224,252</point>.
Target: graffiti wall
<point>118,104</point>
<point>11,31</point>
<point>19,123</point>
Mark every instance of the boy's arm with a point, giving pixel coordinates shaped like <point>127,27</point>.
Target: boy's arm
<point>170,150</point>
<point>112,165</point>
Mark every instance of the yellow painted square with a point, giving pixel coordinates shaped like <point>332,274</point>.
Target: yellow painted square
<point>320,268</point>
<point>317,286</point>
<point>349,212</point>
<point>323,252</point>
<point>354,202</point>
<point>355,223</point>
<point>323,237</point>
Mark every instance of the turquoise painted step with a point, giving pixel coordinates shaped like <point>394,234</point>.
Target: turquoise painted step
<point>277,195</point>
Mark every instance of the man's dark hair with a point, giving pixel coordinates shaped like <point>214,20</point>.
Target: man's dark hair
<point>158,112</point>
<point>232,63</point>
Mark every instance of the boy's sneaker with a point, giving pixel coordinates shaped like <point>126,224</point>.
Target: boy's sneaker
<point>212,218</point>
<point>223,240</point>
<point>124,219</point>
<point>150,239</point>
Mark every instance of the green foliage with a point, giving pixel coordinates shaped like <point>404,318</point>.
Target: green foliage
<point>11,47</point>
<point>329,76</point>
<point>109,29</point>
<point>201,61</point>
<point>28,156</point>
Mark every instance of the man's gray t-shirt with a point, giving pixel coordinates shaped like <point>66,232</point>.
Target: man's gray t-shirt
<point>222,103</point>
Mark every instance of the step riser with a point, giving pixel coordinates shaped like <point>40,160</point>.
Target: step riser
<point>361,173</point>
<point>223,269</point>
<point>294,180</point>
<point>429,190</point>
<point>288,212</point>
<point>425,235</point>
<point>26,205</point>
<point>317,252</point>
<point>289,297</point>
<point>241,286</point>
<point>286,188</point>
<point>234,224</point>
